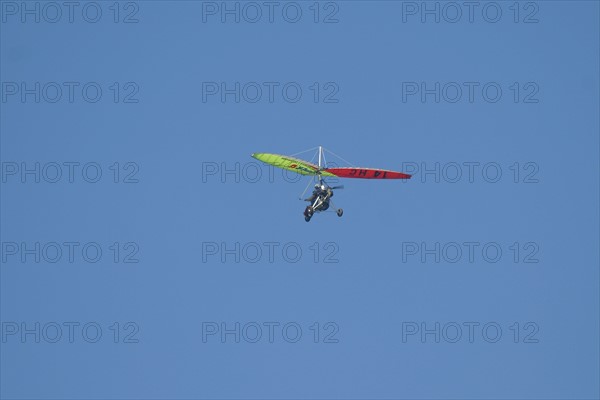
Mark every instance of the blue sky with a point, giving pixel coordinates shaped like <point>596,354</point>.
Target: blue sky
<point>179,195</point>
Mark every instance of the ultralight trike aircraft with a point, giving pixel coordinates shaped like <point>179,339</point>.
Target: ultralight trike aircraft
<point>320,200</point>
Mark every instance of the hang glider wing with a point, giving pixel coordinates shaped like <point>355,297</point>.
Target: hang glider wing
<point>290,163</point>
<point>366,173</point>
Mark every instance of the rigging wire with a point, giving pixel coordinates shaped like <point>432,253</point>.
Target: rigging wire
<point>305,151</point>
<point>313,157</point>
<point>341,158</point>
<point>310,181</point>
<point>324,150</point>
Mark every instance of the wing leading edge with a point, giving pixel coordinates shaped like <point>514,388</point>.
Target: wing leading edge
<point>290,163</point>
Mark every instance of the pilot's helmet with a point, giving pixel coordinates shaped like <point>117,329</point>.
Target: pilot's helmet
<point>323,187</point>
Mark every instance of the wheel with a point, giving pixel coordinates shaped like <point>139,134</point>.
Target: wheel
<point>308,213</point>
<point>340,212</point>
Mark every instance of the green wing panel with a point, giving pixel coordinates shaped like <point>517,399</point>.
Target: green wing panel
<point>290,163</point>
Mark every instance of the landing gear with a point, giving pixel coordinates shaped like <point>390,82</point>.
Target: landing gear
<point>320,201</point>
<point>308,213</point>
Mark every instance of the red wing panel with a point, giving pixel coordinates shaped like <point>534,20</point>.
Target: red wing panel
<point>367,173</point>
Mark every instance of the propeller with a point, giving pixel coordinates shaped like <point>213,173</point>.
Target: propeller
<point>337,187</point>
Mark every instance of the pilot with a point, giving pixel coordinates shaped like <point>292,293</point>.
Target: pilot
<point>319,190</point>
<point>326,191</point>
